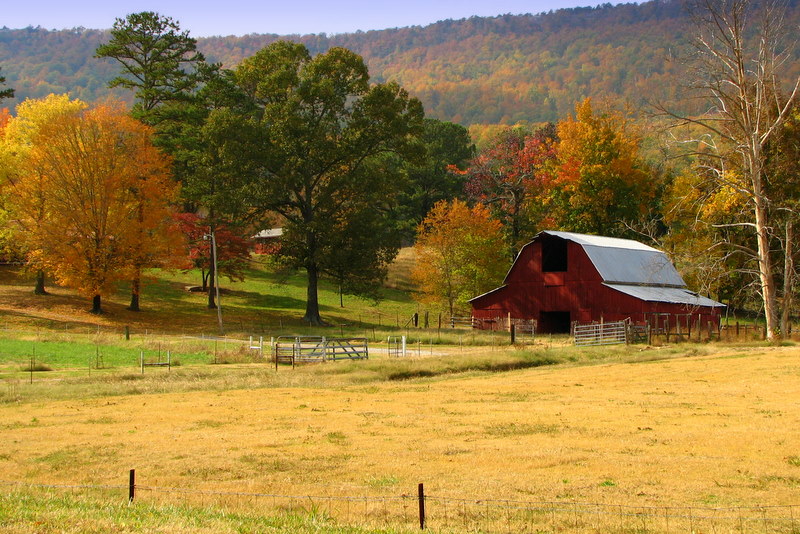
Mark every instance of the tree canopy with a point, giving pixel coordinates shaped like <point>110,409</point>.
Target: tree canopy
<point>82,181</point>
<point>327,133</point>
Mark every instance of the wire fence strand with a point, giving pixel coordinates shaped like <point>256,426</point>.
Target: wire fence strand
<point>453,514</point>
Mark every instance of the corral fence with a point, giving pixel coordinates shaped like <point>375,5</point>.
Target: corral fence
<point>415,509</point>
<point>307,349</point>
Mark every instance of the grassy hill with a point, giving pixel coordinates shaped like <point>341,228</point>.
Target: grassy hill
<point>267,300</point>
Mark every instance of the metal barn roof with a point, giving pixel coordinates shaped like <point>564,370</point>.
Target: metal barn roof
<point>625,261</point>
<point>673,295</point>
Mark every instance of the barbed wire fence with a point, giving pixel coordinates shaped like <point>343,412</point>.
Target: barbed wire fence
<point>437,513</point>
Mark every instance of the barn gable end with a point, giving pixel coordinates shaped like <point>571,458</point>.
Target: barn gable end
<point>561,277</point>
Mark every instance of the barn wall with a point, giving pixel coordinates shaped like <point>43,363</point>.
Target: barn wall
<point>579,291</point>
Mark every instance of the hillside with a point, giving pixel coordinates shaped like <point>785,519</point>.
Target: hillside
<point>479,70</point>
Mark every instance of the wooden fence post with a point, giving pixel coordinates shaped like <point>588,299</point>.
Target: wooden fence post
<point>513,333</point>
<point>421,497</point>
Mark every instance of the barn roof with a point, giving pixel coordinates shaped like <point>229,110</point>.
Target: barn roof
<point>673,295</point>
<point>623,261</point>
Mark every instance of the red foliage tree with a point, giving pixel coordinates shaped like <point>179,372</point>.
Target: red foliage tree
<point>233,250</point>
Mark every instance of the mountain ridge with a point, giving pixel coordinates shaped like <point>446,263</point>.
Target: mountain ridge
<point>477,70</point>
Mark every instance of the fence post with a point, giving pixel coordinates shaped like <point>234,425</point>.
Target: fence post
<point>513,333</point>
<point>421,494</point>
<point>132,485</point>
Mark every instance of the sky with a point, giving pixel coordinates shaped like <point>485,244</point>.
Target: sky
<point>205,18</point>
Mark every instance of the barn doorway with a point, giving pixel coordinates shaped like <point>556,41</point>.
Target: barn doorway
<point>554,322</point>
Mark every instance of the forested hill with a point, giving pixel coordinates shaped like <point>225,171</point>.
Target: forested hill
<point>478,70</point>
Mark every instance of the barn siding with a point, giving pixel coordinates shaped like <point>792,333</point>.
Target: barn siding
<point>580,291</point>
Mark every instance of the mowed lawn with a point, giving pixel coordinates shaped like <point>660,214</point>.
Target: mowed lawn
<point>716,429</point>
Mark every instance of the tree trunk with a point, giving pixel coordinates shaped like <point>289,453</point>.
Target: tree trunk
<point>788,280</point>
<point>96,308</point>
<point>204,276</point>
<point>312,300</point>
<point>341,297</point>
<point>765,267</point>
<point>136,286</point>
<point>212,303</point>
<point>39,289</point>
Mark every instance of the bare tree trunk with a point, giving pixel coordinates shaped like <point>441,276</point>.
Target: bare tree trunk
<point>788,280</point>
<point>765,273</point>
<point>212,304</point>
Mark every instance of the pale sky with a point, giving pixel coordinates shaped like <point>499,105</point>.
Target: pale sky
<point>204,18</point>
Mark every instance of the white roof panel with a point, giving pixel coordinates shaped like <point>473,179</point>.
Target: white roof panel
<point>600,241</point>
<point>672,295</point>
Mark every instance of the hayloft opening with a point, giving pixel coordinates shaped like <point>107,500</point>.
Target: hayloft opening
<point>554,255</point>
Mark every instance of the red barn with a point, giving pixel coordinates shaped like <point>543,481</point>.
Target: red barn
<point>561,277</point>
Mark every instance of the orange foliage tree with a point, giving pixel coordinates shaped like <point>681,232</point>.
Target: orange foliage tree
<point>601,181</point>
<point>109,197</point>
<point>458,255</point>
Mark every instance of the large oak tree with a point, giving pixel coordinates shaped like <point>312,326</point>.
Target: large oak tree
<point>325,131</point>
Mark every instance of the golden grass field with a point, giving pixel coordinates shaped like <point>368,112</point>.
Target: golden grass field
<point>706,426</point>
<point>718,428</point>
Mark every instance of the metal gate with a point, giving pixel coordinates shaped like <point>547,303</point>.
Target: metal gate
<point>300,349</point>
<point>601,333</point>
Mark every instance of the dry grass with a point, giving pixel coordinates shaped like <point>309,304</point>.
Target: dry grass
<point>400,270</point>
<point>719,429</point>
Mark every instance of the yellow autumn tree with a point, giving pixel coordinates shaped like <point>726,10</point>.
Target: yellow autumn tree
<point>16,144</point>
<point>601,181</point>
<point>107,197</point>
<point>460,255</point>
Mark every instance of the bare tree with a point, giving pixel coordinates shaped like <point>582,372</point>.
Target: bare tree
<point>741,45</point>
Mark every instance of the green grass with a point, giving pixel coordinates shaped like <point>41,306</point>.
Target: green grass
<point>47,512</point>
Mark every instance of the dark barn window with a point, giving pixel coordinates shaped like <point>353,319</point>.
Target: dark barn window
<point>554,255</point>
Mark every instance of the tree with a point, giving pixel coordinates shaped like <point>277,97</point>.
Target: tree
<point>363,244</point>
<point>233,249</point>
<point>17,143</point>
<point>509,176</point>
<point>154,54</point>
<point>447,147</point>
<point>600,182</point>
<point>457,255</point>
<point>325,131</point>
<point>5,93</point>
<point>97,167</point>
<point>740,53</point>
<point>161,64</point>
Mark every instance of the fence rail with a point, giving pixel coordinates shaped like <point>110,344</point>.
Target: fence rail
<point>451,514</point>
